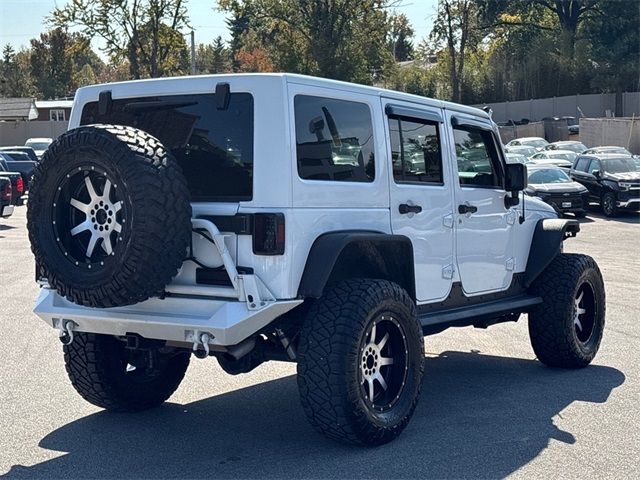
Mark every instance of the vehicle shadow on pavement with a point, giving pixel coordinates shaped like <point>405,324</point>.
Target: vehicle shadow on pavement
<point>479,416</point>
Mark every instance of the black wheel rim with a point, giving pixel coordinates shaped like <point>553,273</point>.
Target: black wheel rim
<point>584,313</point>
<point>88,217</point>
<point>608,204</point>
<point>383,363</point>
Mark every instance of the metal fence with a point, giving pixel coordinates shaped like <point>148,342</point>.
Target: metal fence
<point>594,105</point>
<point>15,133</point>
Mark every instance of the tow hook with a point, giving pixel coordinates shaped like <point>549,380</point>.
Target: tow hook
<point>201,338</point>
<point>65,330</point>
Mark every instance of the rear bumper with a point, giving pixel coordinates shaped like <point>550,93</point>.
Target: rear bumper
<point>176,319</point>
<point>6,211</point>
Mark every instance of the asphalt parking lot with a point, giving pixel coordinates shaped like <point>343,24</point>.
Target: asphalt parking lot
<point>488,408</point>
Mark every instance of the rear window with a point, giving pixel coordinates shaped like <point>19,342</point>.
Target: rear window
<point>213,147</point>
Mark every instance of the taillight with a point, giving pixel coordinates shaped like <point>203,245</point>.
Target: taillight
<point>268,233</point>
<point>6,192</point>
<point>20,185</point>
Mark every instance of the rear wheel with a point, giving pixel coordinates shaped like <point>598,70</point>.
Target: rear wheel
<point>361,358</point>
<point>609,207</point>
<point>107,374</point>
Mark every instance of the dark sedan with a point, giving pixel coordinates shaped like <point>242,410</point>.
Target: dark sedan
<point>553,185</point>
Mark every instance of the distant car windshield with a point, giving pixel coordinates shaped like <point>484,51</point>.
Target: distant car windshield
<point>619,150</point>
<point>38,145</point>
<point>535,143</point>
<point>526,151</point>
<point>565,155</point>
<point>574,147</point>
<point>548,175</point>
<point>17,156</point>
<point>619,165</point>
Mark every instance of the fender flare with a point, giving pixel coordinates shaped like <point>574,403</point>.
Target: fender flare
<point>327,248</point>
<point>547,243</point>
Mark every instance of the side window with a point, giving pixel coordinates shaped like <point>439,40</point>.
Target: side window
<point>582,164</point>
<point>477,156</point>
<point>595,165</point>
<point>415,151</point>
<point>334,139</point>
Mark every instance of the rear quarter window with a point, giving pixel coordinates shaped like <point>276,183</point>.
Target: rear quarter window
<point>213,147</point>
<point>334,139</point>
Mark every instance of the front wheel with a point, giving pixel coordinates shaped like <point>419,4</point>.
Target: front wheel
<point>567,327</point>
<point>609,206</point>
<point>361,358</point>
<point>106,373</point>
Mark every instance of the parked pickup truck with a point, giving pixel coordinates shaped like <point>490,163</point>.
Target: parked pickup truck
<point>6,207</point>
<point>17,183</point>
<point>25,168</point>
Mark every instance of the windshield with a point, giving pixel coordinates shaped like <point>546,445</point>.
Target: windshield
<point>565,156</point>
<point>574,147</point>
<point>548,175</point>
<point>619,165</point>
<point>38,145</point>
<point>535,143</point>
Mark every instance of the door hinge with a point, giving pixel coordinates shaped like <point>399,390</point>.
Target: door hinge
<point>447,220</point>
<point>510,264</point>
<point>447,271</point>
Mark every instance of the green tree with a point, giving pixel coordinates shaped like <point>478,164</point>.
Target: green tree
<point>219,56</point>
<point>614,37</point>
<point>342,39</point>
<point>456,30</point>
<point>400,34</point>
<point>15,74</point>
<point>144,32</point>
<point>213,57</point>
<point>51,63</point>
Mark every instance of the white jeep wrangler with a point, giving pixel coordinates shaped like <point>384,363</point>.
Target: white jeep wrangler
<point>282,217</point>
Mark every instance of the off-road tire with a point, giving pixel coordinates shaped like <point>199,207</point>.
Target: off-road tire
<point>554,335</point>
<point>608,203</point>
<point>329,356</point>
<point>152,243</point>
<point>96,365</point>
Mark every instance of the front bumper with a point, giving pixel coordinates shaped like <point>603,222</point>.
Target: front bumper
<point>631,203</point>
<point>175,319</point>
<point>576,202</point>
<point>6,211</point>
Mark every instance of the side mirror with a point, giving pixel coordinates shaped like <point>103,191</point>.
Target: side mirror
<point>596,173</point>
<point>515,181</point>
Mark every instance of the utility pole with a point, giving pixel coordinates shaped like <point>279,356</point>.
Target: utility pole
<point>193,53</point>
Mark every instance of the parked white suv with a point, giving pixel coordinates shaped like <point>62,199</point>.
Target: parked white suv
<point>282,217</point>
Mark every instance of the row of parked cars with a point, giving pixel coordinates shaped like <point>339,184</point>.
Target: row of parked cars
<point>569,176</point>
<point>16,171</point>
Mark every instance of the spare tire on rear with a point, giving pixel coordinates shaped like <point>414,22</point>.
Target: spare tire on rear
<point>109,216</point>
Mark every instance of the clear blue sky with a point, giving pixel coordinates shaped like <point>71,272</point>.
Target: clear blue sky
<point>22,20</point>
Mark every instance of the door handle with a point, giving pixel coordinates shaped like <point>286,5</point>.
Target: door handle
<point>464,208</point>
<point>405,208</point>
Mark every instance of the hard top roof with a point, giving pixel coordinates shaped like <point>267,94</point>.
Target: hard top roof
<point>168,85</point>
